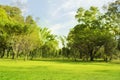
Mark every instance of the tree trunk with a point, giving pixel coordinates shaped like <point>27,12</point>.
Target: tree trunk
<point>13,55</point>
<point>8,53</point>
<point>26,57</point>
<point>91,56</point>
<point>3,53</point>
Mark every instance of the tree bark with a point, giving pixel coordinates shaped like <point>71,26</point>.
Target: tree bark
<point>91,56</point>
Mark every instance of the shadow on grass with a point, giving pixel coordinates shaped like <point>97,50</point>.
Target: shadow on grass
<point>69,61</point>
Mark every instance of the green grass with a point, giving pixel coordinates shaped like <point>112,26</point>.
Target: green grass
<point>58,70</point>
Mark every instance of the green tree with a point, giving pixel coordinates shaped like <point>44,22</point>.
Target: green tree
<point>92,32</point>
<point>49,43</point>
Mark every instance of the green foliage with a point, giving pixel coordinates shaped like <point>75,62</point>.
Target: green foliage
<point>93,31</point>
<point>96,35</point>
<point>49,43</point>
<point>21,36</point>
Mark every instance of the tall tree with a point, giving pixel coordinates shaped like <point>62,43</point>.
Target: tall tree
<point>93,31</point>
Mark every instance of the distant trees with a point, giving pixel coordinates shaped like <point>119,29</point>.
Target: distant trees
<point>49,43</point>
<point>21,37</point>
<point>95,31</point>
<point>95,36</point>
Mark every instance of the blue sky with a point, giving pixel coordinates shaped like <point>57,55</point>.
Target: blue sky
<point>57,15</point>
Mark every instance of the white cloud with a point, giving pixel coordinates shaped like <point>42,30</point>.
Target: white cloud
<point>62,28</point>
<point>22,4</point>
<point>56,27</point>
<point>67,5</point>
<point>64,11</point>
<point>22,1</point>
<point>70,5</point>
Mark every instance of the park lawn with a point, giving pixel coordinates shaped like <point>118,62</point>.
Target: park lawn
<point>58,70</point>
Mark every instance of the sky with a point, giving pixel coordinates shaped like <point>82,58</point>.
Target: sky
<point>57,15</point>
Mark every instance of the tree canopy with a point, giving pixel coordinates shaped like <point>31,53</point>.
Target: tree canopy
<point>95,36</point>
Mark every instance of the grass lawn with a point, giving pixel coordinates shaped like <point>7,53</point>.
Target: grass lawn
<point>58,70</point>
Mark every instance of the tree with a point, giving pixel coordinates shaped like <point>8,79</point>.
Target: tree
<point>14,13</point>
<point>49,43</point>
<point>93,31</point>
<point>4,19</point>
<point>113,15</point>
<point>64,51</point>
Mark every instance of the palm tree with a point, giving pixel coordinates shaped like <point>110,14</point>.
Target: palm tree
<point>49,42</point>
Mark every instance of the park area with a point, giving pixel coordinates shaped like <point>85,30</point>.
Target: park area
<point>59,39</point>
<point>58,70</point>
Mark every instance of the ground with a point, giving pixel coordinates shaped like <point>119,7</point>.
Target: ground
<point>58,70</point>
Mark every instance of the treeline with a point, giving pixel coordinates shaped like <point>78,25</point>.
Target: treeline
<point>96,36</point>
<point>22,37</point>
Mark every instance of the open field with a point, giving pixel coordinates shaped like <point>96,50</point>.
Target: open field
<point>58,70</point>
